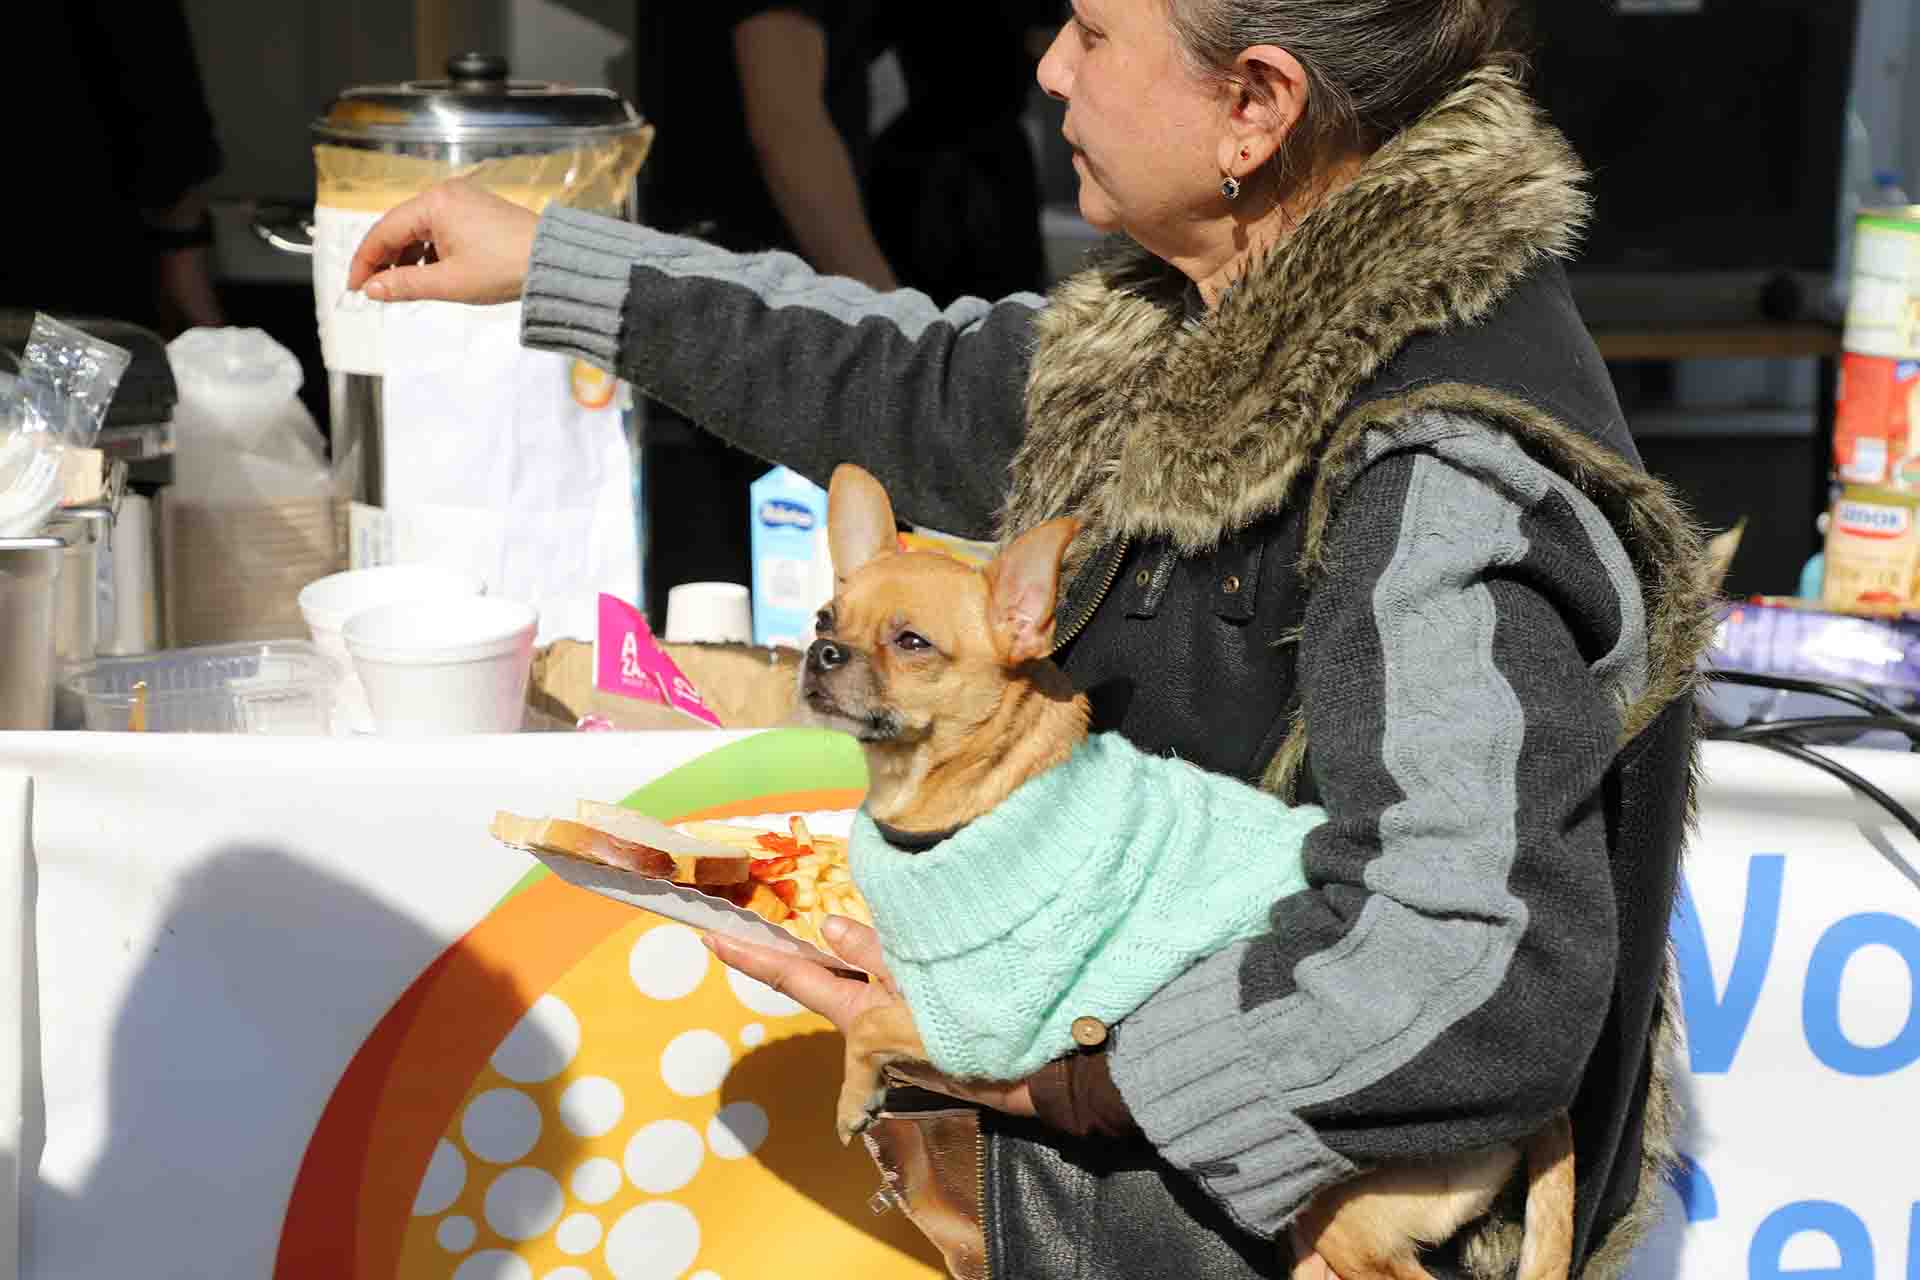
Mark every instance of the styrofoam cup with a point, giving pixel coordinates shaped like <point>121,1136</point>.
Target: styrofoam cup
<point>709,613</point>
<point>329,603</point>
<point>445,666</point>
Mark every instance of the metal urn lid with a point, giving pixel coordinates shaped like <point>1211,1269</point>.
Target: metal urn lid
<point>477,104</point>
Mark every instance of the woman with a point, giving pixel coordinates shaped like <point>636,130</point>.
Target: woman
<point>1329,385</point>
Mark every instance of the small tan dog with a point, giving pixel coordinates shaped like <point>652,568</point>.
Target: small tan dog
<point>942,671</point>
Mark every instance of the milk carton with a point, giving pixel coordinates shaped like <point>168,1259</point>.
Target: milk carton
<point>792,566</point>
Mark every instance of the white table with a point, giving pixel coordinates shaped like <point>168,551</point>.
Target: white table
<point>198,933</point>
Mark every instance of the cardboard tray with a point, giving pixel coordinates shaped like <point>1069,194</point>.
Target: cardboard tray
<point>687,905</point>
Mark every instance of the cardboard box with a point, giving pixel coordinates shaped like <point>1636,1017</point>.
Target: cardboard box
<point>746,686</point>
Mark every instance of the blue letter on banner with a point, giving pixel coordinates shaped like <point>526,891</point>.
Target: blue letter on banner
<point>1716,1023</point>
<point>1837,1223</point>
<point>1820,1005</point>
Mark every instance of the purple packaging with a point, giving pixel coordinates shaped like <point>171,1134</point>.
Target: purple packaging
<point>1814,645</point>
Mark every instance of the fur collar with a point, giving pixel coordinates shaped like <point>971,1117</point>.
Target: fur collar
<point>1144,425</point>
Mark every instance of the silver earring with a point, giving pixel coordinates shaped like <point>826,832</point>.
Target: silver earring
<point>1230,187</point>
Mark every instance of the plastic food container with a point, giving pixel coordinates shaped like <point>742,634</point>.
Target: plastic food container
<point>278,686</point>
<point>445,666</point>
<point>330,603</point>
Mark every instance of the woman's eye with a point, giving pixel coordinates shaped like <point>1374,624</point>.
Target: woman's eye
<point>912,641</point>
<point>1087,34</point>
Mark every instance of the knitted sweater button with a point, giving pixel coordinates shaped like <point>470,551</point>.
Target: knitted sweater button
<point>1089,1033</point>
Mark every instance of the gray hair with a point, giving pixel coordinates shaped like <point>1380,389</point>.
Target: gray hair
<point>1372,66</point>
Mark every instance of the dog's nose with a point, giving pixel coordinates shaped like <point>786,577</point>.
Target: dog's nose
<point>825,655</point>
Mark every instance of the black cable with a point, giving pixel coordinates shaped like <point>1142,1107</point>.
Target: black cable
<point>1899,811</point>
<point>1792,684</point>
<point>1781,736</point>
<point>1762,729</point>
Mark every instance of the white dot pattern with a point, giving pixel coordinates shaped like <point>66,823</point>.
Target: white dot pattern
<point>444,1180</point>
<point>656,1241</point>
<point>456,1234</point>
<point>738,1130</point>
<point>578,1234</point>
<point>501,1125</point>
<point>668,962</point>
<point>695,1062</point>
<point>524,1203</point>
<point>554,1093</point>
<point>541,1044</point>
<point>664,1156</point>
<point>591,1107</point>
<point>596,1181</point>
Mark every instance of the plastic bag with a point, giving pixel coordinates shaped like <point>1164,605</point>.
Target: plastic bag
<point>67,380</point>
<point>241,435</point>
<point>58,400</point>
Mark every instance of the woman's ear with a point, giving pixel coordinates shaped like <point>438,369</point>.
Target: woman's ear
<point>1265,99</point>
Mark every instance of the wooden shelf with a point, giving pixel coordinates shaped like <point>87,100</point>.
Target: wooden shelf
<point>1787,341</point>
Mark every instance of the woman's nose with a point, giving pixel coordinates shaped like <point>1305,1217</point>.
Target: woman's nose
<point>1053,73</point>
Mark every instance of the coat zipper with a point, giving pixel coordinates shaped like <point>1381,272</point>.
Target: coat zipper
<point>1118,558</point>
<point>980,1172</point>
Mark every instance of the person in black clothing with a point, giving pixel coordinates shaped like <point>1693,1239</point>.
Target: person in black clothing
<point>111,145</point>
<point>762,109</point>
<point>953,193</point>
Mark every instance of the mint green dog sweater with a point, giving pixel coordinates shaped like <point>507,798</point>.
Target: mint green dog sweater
<point>1081,894</point>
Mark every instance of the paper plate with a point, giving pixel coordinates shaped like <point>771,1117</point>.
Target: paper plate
<point>687,905</point>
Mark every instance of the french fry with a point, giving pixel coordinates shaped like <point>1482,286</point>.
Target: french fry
<point>798,877</point>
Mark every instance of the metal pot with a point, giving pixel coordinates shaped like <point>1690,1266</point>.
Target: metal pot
<point>29,584</point>
<point>469,123</point>
<point>87,535</point>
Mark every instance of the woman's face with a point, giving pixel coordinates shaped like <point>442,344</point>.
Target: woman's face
<point>1144,126</point>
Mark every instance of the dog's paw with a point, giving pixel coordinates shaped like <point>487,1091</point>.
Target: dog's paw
<point>860,1104</point>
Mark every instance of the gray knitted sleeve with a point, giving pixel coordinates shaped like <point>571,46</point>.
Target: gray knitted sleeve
<point>796,367</point>
<point>1442,981</point>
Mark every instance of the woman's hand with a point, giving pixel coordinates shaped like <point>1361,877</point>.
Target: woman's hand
<point>840,1000</point>
<point>1306,1265</point>
<point>457,242</point>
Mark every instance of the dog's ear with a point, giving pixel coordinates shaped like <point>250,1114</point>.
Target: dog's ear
<point>860,522</point>
<point>1023,583</point>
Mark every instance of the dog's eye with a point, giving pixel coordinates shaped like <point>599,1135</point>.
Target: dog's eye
<point>823,620</point>
<point>912,641</point>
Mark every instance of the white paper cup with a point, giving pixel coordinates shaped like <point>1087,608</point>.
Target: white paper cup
<point>433,667</point>
<point>329,603</point>
<point>709,613</point>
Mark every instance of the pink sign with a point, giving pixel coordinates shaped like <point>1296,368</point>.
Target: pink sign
<point>630,662</point>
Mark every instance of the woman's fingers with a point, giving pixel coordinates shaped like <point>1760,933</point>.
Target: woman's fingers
<point>411,284</point>
<point>457,242</point>
<point>387,241</point>
<point>813,985</point>
<point>858,945</point>
<point>1308,1265</point>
